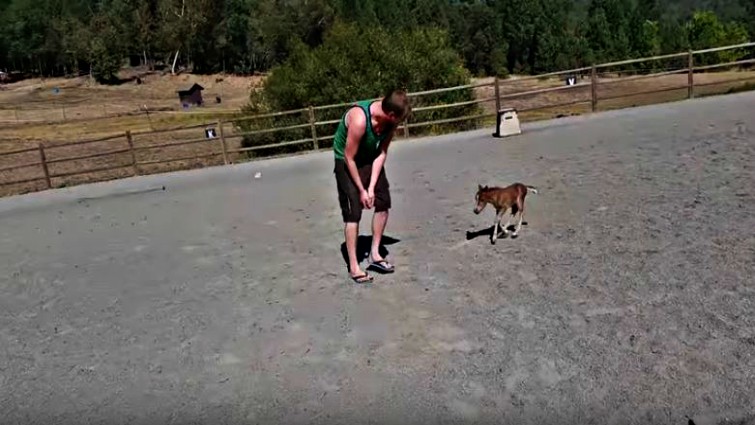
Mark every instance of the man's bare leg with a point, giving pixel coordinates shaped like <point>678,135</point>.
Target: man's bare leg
<point>351,231</point>
<point>379,220</point>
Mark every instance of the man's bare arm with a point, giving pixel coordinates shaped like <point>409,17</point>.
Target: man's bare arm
<point>377,164</point>
<point>356,124</point>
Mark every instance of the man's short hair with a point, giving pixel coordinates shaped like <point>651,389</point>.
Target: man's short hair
<point>397,102</point>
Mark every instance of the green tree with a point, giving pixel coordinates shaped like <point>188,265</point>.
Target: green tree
<point>705,31</point>
<point>519,20</point>
<point>479,39</point>
<point>648,40</point>
<point>551,45</point>
<point>749,22</point>
<point>236,39</point>
<point>673,35</point>
<point>26,29</point>
<point>144,28</point>
<point>599,35</point>
<point>4,53</point>
<point>341,70</point>
<point>107,50</point>
<point>648,10</point>
<point>52,37</point>
<point>735,33</point>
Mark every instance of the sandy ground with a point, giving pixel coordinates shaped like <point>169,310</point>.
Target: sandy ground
<point>213,297</point>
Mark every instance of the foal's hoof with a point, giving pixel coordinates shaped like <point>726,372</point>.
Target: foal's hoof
<point>514,236</point>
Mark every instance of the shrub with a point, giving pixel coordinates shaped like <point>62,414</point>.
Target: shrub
<point>105,66</point>
<point>705,30</point>
<point>355,63</point>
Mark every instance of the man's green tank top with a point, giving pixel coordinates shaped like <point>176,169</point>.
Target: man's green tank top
<point>369,146</point>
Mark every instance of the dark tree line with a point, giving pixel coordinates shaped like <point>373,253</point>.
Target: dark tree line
<point>59,37</point>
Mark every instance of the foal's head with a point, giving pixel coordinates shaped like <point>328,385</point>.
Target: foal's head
<point>480,199</point>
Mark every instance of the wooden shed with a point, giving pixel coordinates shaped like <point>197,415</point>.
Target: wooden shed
<point>192,96</point>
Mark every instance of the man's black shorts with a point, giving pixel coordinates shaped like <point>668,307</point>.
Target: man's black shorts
<point>348,194</point>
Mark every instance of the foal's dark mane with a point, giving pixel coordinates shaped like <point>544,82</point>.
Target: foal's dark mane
<point>485,189</point>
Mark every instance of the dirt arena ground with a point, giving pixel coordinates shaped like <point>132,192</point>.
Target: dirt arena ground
<point>212,297</point>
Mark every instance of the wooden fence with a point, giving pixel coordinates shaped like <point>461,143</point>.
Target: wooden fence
<point>56,164</point>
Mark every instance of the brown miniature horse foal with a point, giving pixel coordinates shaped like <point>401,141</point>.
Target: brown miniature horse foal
<point>503,199</point>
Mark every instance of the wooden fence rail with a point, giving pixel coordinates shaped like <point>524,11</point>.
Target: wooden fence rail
<point>133,148</point>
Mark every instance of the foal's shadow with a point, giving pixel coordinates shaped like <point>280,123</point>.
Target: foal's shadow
<point>364,244</point>
<point>489,232</point>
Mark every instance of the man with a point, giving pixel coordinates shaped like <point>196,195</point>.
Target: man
<point>361,147</point>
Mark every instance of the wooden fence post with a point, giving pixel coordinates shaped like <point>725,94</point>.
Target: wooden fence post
<point>594,87</point>
<point>130,140</point>
<point>497,96</point>
<point>406,123</point>
<point>222,142</point>
<point>146,110</point>
<point>43,161</point>
<point>690,76</point>
<point>313,127</point>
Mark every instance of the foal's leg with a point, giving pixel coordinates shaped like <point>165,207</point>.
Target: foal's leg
<point>508,223</point>
<point>496,224</point>
<point>521,217</point>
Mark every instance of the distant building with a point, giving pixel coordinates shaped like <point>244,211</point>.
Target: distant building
<point>192,96</point>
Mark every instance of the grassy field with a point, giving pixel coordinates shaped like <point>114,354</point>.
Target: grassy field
<point>94,111</point>
<point>31,110</point>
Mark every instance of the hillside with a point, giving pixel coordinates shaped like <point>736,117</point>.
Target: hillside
<point>65,37</point>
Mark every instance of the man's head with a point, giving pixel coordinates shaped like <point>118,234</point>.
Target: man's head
<point>396,106</point>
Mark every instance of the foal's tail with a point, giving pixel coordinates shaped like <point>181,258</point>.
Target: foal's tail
<point>532,189</point>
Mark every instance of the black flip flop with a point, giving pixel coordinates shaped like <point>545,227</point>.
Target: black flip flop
<point>362,278</point>
<point>382,265</point>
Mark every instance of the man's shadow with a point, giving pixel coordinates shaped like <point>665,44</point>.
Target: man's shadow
<point>489,231</point>
<point>364,245</point>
